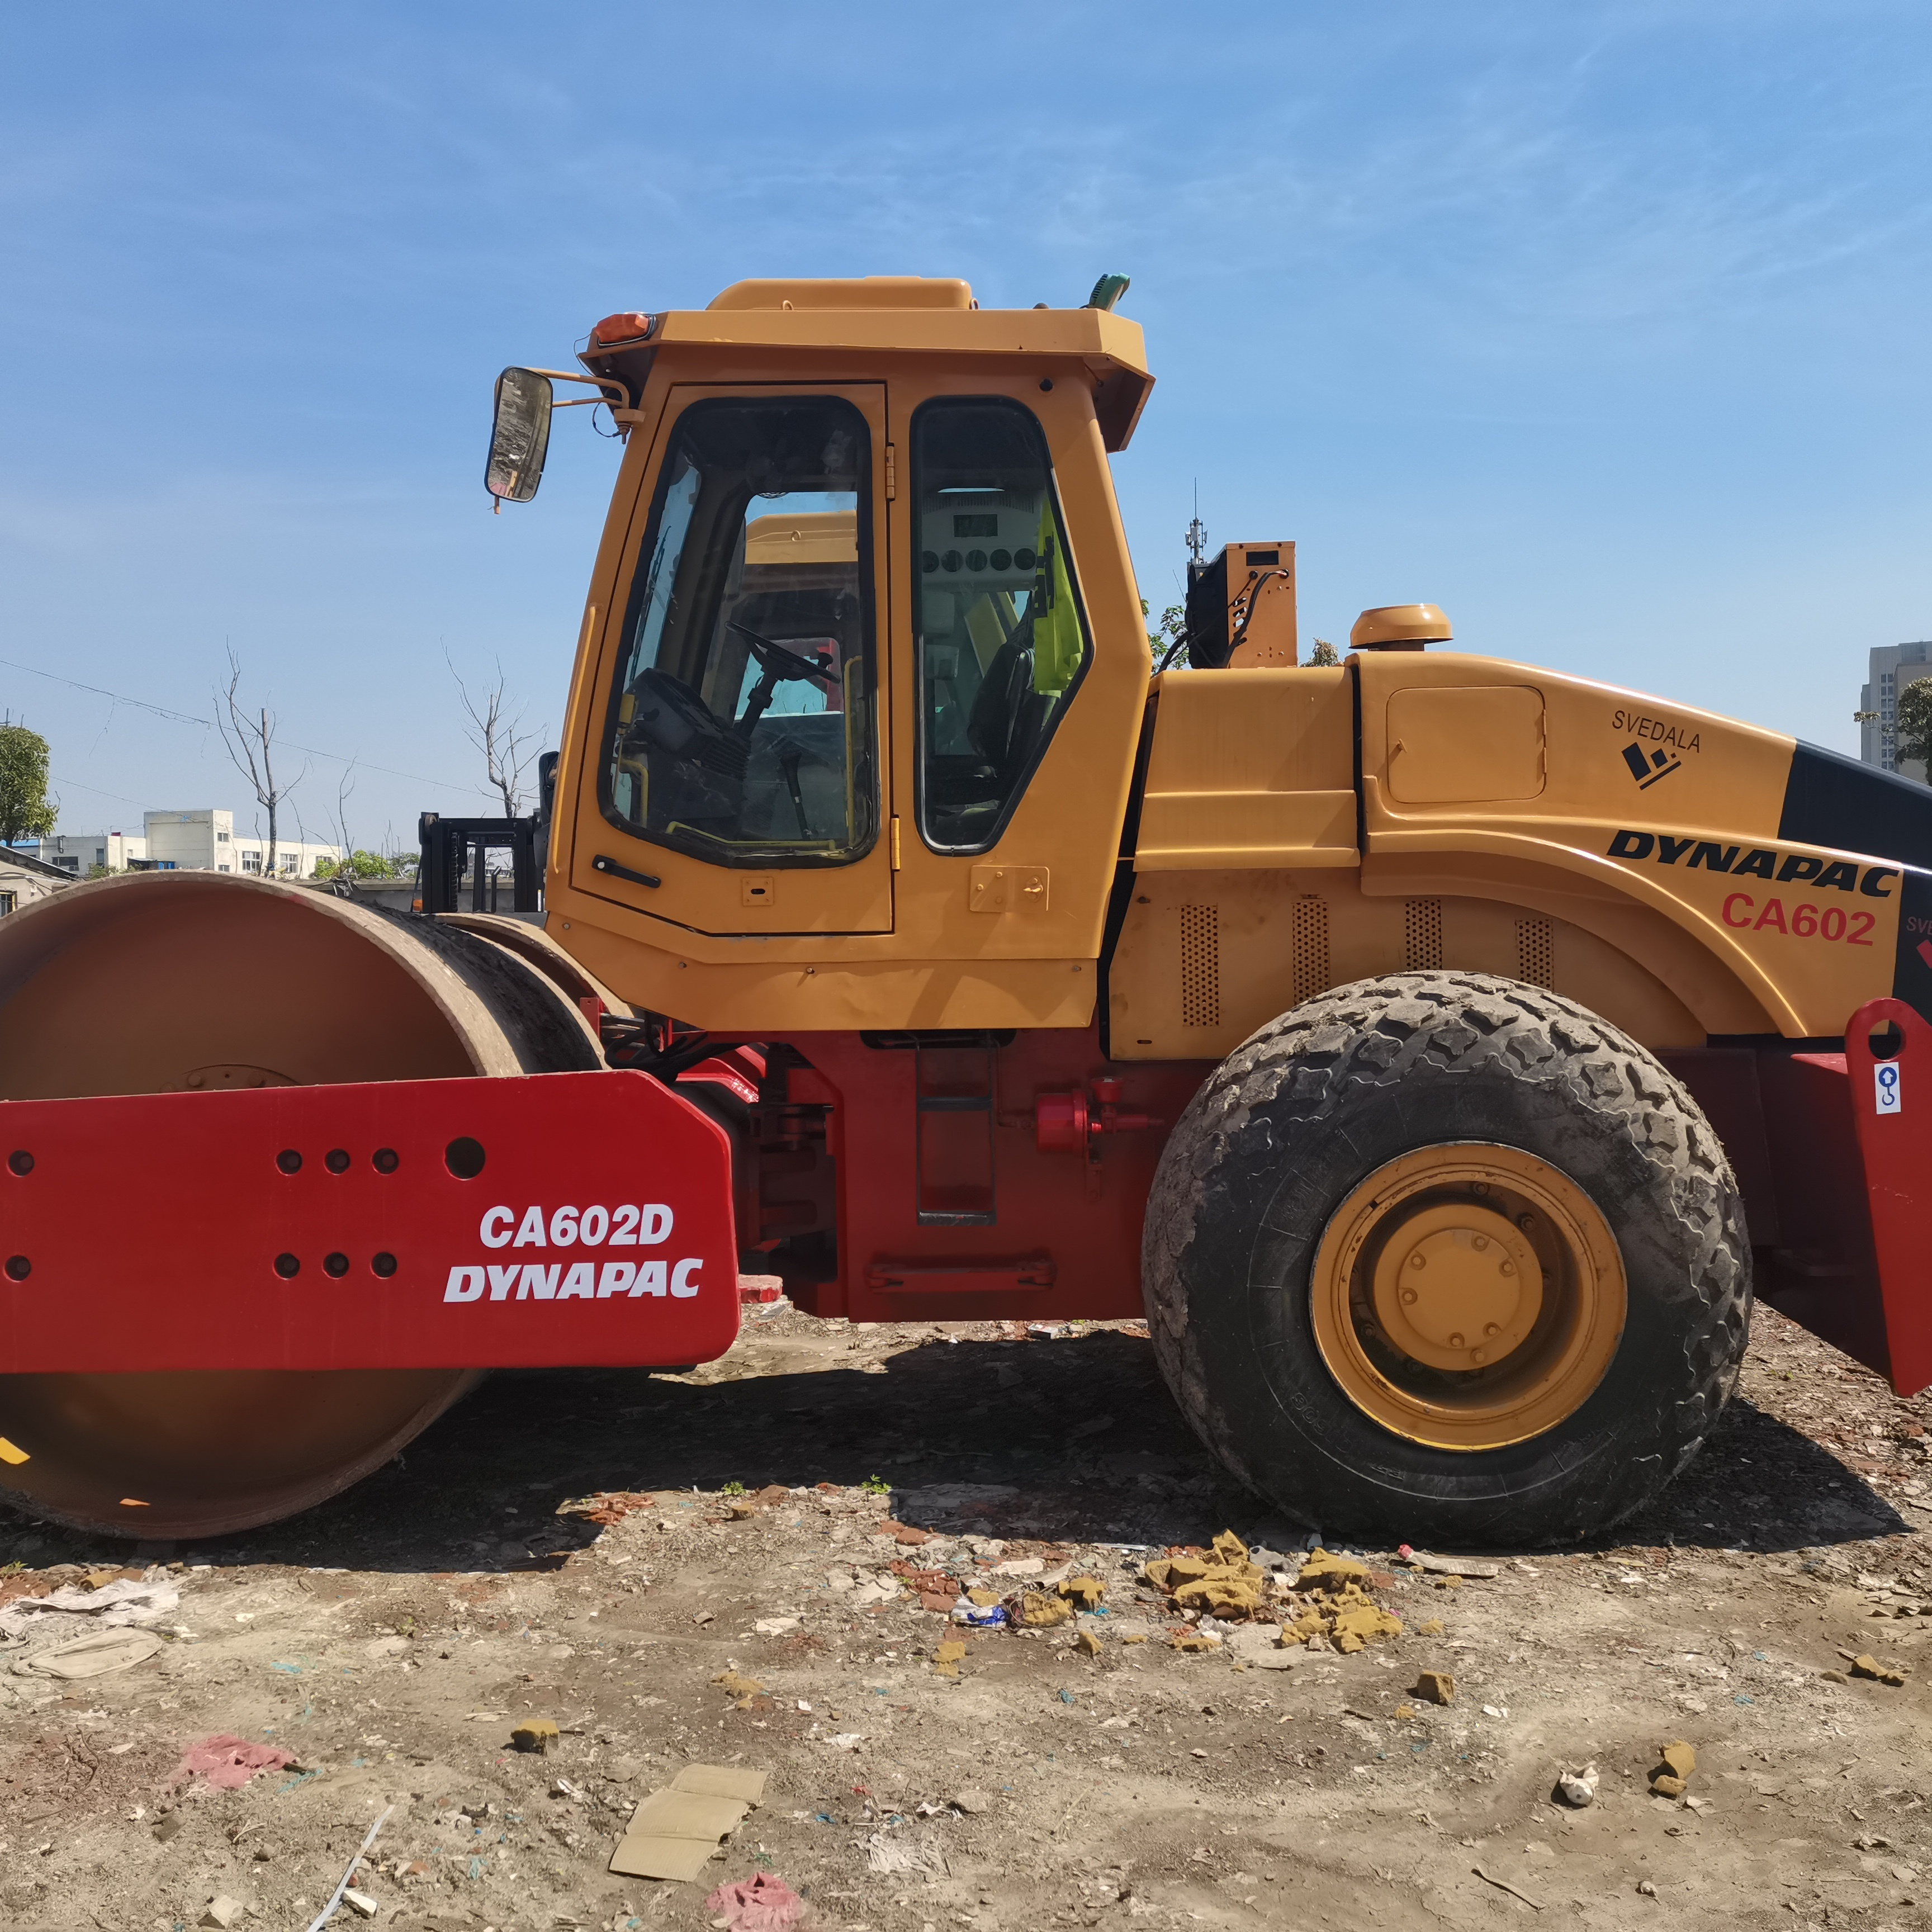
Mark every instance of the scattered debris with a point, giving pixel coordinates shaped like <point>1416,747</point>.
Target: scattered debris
<point>1337,1607</point>
<point>763,1903</point>
<point>948,1657</point>
<point>1578,1789</point>
<point>361,1903</point>
<point>1677,1763</point>
<point>535,1734</point>
<point>972,1803</point>
<point>98,1654</point>
<point>1260,1647</point>
<point>741,1688</point>
<point>1038,1611</point>
<point>341,1891</point>
<point>1434,1687</point>
<point>1221,1583</point>
<point>228,1763</point>
<point>1504,1885</point>
<point>884,1853</point>
<point>222,1911</point>
<point>1087,1644</point>
<point>607,1506</point>
<point>1865,1665</point>
<point>122,1601</point>
<point>1448,1566</point>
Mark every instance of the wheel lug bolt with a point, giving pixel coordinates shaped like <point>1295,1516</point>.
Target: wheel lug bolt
<point>1507,1267</point>
<point>1455,1341</point>
<point>1481,1241</point>
<point>1490,1329</point>
<point>1418,1261</point>
<point>1476,1355</point>
<point>1525,1220</point>
<point>1408,1298</point>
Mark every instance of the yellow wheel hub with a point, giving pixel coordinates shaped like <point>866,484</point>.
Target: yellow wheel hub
<point>1469,1296</point>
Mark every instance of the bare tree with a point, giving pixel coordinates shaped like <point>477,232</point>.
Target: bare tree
<point>251,745</point>
<point>508,749</point>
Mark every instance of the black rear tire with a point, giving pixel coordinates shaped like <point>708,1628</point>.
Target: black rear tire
<point>1301,1114</point>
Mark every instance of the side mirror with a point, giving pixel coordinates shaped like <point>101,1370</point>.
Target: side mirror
<point>520,437</point>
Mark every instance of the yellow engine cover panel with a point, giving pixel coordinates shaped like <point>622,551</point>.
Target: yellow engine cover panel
<point>1206,958</point>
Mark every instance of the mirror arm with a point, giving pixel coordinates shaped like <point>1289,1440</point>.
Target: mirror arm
<point>610,382</point>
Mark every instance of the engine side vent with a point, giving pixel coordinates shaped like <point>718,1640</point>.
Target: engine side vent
<point>1311,948</point>
<point>1535,952</point>
<point>1422,936</point>
<point>1200,965</point>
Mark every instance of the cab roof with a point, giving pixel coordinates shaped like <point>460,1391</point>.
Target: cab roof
<point>889,315</point>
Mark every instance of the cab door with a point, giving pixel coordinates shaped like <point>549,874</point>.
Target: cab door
<point>733,780</point>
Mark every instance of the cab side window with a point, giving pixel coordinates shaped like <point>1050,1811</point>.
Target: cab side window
<point>742,726</point>
<point>1000,638</point>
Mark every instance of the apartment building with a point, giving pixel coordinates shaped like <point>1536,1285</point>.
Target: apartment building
<point>1893,668</point>
<point>184,841</point>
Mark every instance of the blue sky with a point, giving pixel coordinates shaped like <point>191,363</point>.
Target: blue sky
<point>1603,325</point>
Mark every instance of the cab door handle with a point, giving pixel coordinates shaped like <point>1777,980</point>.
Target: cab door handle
<point>600,864</point>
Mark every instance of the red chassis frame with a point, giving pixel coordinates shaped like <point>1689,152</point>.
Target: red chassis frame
<point>1838,1192</point>
<point>401,1224</point>
<point>426,1261</point>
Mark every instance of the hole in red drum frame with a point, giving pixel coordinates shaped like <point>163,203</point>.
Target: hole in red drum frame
<point>385,1160</point>
<point>384,1265</point>
<point>464,1158</point>
<point>19,1268</point>
<point>287,1267</point>
<point>1888,1040</point>
<point>20,1162</point>
<point>336,1265</point>
<point>289,1161</point>
<point>336,1160</point>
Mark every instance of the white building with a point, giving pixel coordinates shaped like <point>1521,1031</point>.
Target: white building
<point>23,879</point>
<point>184,841</point>
<point>1893,668</point>
<point>207,841</point>
<point>77,853</point>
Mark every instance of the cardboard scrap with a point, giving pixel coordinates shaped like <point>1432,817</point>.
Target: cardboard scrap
<point>93,1655</point>
<point>678,1828</point>
<point>1085,1591</point>
<point>1451,1566</point>
<point>947,1658</point>
<point>535,1734</point>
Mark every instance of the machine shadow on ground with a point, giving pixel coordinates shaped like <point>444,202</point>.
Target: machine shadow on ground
<point>1074,1438</point>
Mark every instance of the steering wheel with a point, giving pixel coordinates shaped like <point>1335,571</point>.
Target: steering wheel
<point>781,662</point>
<point>777,665</point>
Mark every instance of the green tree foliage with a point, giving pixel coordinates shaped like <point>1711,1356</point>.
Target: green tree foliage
<point>1915,722</point>
<point>1165,635</point>
<point>1323,653</point>
<point>25,811</point>
<point>360,864</point>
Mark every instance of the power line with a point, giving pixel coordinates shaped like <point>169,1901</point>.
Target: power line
<point>209,724</point>
<point>74,785</point>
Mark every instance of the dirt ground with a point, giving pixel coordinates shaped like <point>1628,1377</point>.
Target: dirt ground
<point>391,1640</point>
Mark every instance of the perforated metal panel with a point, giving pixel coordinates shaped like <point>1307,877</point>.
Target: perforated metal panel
<point>1535,952</point>
<point>1200,965</point>
<point>1310,927</point>
<point>1422,936</point>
